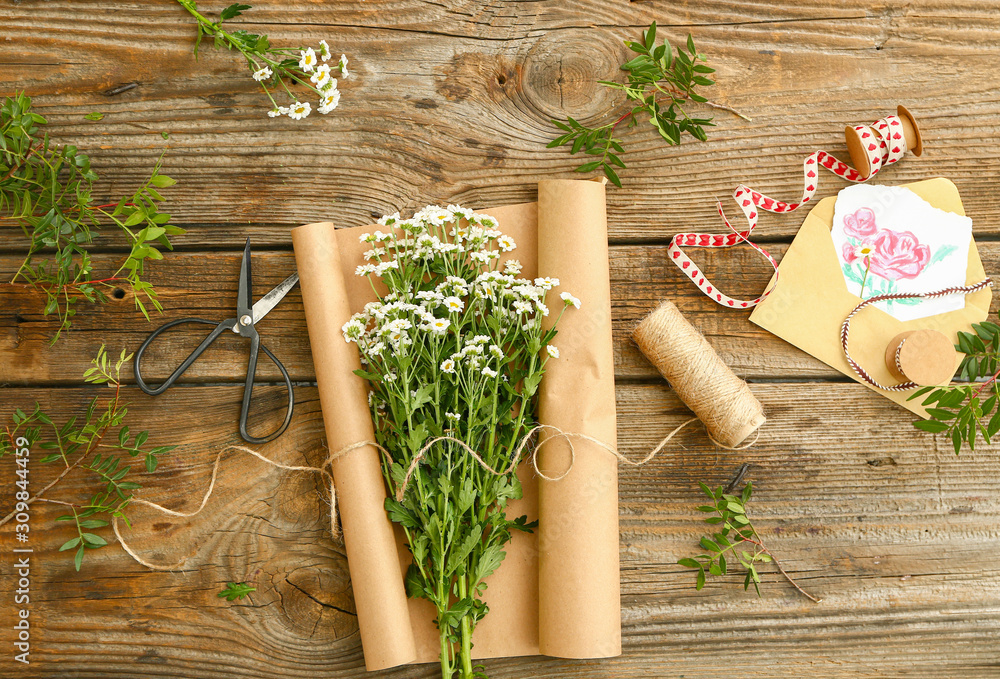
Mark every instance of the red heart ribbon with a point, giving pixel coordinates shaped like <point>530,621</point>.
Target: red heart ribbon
<point>884,144</point>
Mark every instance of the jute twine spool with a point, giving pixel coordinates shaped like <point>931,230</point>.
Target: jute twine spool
<point>720,399</point>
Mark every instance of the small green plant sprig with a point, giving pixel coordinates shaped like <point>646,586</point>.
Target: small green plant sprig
<point>89,447</point>
<point>735,536</point>
<point>276,67</point>
<point>46,190</point>
<point>963,412</point>
<point>660,84</point>
<point>236,590</point>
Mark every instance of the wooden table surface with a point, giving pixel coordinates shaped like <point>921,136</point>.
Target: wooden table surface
<point>450,102</point>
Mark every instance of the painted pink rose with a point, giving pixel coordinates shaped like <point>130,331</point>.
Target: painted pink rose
<point>898,254</point>
<point>861,224</point>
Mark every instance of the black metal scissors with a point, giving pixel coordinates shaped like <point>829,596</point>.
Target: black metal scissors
<point>243,324</point>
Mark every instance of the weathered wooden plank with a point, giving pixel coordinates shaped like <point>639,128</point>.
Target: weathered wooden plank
<point>894,532</point>
<point>452,103</point>
<point>189,286</point>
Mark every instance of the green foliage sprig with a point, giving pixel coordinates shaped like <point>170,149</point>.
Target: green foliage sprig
<point>963,412</point>
<point>46,190</point>
<point>275,67</point>
<point>660,84</point>
<point>736,537</point>
<point>236,590</point>
<point>88,446</point>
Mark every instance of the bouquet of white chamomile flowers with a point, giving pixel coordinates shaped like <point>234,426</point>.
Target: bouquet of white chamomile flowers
<point>453,349</point>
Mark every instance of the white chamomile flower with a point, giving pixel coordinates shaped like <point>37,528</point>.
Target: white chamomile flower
<point>542,309</point>
<point>329,102</point>
<point>454,417</point>
<point>343,65</point>
<point>299,110</point>
<point>496,351</point>
<point>324,50</point>
<point>506,243</point>
<point>262,74</point>
<point>366,238</point>
<point>376,348</point>
<point>307,60</point>
<point>569,299</point>
<point>512,267</point>
<point>552,351</point>
<point>279,111</point>
<point>546,283</point>
<point>321,76</point>
<point>489,372</point>
<point>353,330</point>
<point>448,365</point>
<point>453,304</point>
<point>439,326</point>
<point>390,377</point>
<point>329,87</point>
<point>364,270</point>
<point>522,307</point>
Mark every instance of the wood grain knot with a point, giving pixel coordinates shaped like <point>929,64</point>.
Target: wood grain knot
<point>562,69</point>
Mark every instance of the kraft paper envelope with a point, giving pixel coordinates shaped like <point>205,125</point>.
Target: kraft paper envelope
<point>811,301</point>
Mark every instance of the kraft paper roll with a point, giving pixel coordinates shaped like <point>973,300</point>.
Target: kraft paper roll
<point>579,584</point>
<point>379,596</point>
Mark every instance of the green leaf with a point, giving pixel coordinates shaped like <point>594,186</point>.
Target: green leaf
<point>94,540</point>
<point>95,116</point>
<point>162,181</point>
<point>236,590</point>
<point>232,12</point>
<point>689,563</point>
<point>78,559</point>
<point>612,175</point>
<point>70,544</point>
<point>700,580</point>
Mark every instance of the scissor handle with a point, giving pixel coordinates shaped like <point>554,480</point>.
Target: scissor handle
<point>155,391</point>
<point>255,345</point>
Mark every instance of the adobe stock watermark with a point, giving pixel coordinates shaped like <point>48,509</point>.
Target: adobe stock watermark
<point>22,554</point>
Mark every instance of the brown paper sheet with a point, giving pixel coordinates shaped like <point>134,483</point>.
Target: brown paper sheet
<point>579,547</point>
<point>811,299</point>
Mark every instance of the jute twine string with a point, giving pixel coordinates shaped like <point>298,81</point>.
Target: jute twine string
<point>525,441</point>
<point>699,377</point>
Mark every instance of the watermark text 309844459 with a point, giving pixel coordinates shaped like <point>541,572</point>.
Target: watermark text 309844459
<point>22,554</point>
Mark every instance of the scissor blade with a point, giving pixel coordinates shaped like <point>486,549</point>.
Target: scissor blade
<point>243,295</point>
<point>271,299</point>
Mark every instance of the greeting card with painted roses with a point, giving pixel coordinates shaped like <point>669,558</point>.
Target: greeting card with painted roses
<point>890,240</point>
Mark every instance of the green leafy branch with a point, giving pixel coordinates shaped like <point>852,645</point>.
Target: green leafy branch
<point>660,84</point>
<point>736,537</point>
<point>275,67</point>
<point>46,190</point>
<point>963,412</point>
<point>81,443</point>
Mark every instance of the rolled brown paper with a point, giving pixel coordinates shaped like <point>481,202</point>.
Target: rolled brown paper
<point>720,399</point>
<point>579,599</point>
<point>924,356</point>
<point>911,135</point>
<point>380,600</point>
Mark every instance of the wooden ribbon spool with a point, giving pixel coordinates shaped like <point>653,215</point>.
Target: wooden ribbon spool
<point>925,357</point>
<point>873,146</point>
